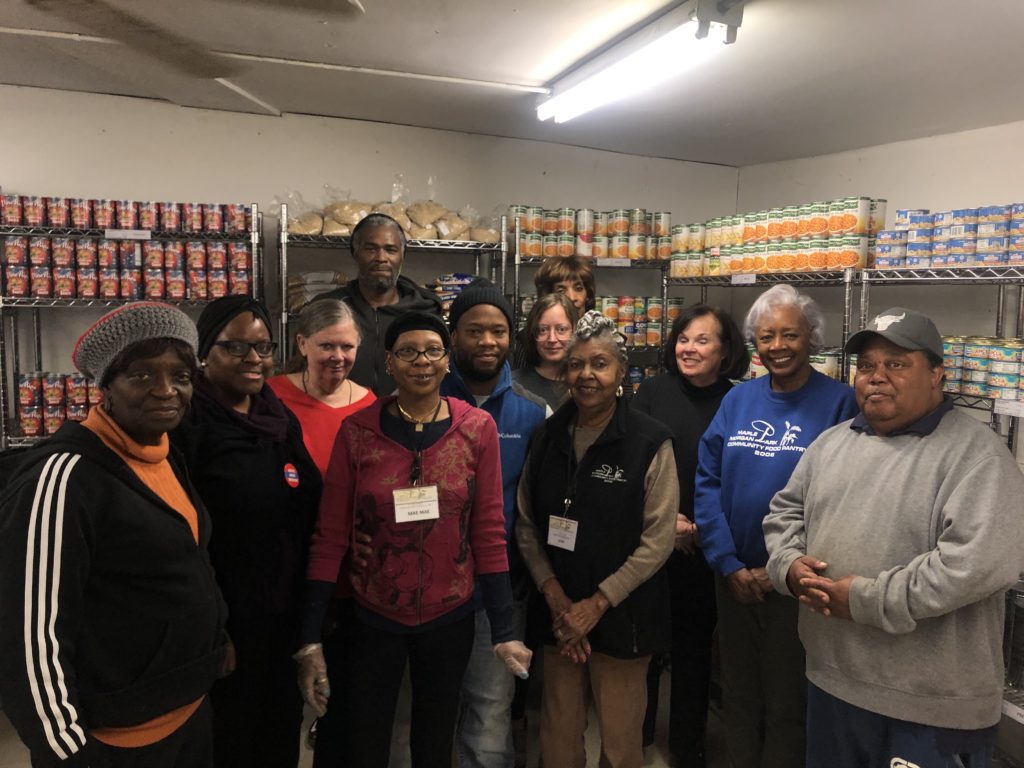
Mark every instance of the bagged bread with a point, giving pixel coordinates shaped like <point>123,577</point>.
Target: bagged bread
<point>484,235</point>
<point>349,212</point>
<point>306,224</point>
<point>417,232</point>
<point>332,227</point>
<point>396,212</point>
<point>425,212</point>
<point>451,226</point>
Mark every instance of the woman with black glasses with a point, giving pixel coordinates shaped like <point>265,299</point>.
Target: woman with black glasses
<point>245,454</point>
<point>421,476</point>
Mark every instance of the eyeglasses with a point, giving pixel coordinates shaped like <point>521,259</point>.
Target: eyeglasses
<point>561,331</point>
<point>242,348</point>
<point>411,355</point>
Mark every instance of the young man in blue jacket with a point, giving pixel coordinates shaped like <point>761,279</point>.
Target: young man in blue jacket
<point>481,324</point>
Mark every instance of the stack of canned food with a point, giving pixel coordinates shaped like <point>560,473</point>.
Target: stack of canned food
<point>802,238</point>
<point>966,237</point>
<point>982,366</point>
<point>636,374</point>
<point>826,361</point>
<point>47,400</point>
<point>640,318</point>
<point>67,267</point>
<point>624,233</point>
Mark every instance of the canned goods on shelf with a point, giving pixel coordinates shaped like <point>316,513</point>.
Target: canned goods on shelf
<point>585,221</point>
<point>618,247</point>
<point>39,251</point>
<point>81,213</point>
<point>637,247</point>
<point>903,216</point>
<point>565,245</point>
<point>550,246</point>
<point>993,213</point>
<point>1003,393</point>
<point>992,258</point>
<point>890,262</point>
<point>584,246</point>
<point>608,306</point>
<point>566,221</point>
<point>30,388</point>
<point>662,224</point>
<point>58,212</point>
<point>919,236</point>
<point>1006,350</point>
<point>892,236</point>
<point>638,222</point>
<point>618,222</point>
<point>952,361</point>
<point>11,210</point>
<point>16,251</point>
<point>517,213</point>
<point>34,210</point>
<point>601,223</point>
<point>951,386</point>
<point>953,345</point>
<point>990,229</point>
<point>149,216</point>
<point>976,362</point>
<point>599,247</point>
<point>64,285</point>
<point>996,379</point>
<point>920,221</point>
<point>534,220</point>
<point>963,216</point>
<point>876,218</point>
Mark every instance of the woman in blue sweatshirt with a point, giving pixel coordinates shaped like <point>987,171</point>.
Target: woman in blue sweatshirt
<point>747,454</point>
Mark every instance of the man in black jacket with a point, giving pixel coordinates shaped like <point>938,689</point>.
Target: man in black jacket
<point>379,295</point>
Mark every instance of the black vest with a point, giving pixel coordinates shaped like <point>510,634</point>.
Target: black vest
<point>607,492</point>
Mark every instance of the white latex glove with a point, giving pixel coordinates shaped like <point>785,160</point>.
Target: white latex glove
<point>515,656</point>
<point>313,677</point>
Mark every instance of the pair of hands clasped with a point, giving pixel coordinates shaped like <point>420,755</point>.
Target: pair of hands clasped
<point>829,597</point>
<point>572,622</point>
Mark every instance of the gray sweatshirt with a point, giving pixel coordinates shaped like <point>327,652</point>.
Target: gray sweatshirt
<point>933,528</point>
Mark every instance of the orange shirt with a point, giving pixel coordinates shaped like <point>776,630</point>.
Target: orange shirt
<point>150,465</point>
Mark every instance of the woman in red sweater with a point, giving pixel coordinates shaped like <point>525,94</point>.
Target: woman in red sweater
<point>421,475</point>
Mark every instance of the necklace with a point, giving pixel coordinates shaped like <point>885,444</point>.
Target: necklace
<point>418,422</point>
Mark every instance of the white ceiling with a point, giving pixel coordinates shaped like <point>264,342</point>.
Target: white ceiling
<point>805,77</point>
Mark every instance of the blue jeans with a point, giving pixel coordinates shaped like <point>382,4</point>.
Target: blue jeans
<point>840,735</point>
<point>483,738</point>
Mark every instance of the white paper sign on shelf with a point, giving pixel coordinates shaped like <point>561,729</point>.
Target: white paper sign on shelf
<point>612,262</point>
<point>1009,407</point>
<point>127,234</point>
<point>744,279</point>
<point>1013,712</point>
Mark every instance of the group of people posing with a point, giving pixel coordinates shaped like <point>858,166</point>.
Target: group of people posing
<point>400,498</point>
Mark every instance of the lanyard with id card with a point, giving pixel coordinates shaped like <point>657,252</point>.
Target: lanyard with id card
<point>417,502</point>
<point>562,530</point>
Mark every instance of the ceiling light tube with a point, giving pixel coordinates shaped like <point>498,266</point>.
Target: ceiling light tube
<point>652,64</point>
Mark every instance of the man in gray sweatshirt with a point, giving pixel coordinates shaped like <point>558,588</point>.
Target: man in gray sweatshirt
<point>899,532</point>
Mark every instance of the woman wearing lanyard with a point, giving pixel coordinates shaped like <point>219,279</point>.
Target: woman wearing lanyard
<point>598,500</point>
<point>421,475</point>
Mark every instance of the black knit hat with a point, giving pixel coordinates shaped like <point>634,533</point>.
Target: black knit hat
<point>480,291</point>
<point>222,311</point>
<point>416,321</point>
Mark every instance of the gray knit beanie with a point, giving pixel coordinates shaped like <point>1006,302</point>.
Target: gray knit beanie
<point>117,330</point>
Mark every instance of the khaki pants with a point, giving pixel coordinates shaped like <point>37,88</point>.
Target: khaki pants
<point>619,689</point>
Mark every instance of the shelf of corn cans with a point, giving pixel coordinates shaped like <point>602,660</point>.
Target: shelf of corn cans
<point>498,251</point>
<point>61,253</point>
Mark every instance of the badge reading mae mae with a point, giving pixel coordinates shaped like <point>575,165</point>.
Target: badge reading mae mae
<point>417,503</point>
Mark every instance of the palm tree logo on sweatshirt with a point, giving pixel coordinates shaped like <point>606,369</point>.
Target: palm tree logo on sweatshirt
<point>789,436</point>
<point>761,438</point>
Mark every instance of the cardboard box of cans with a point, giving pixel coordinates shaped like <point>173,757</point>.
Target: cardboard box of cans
<point>47,400</point>
<point>81,213</point>
<point>97,268</point>
<point>965,237</point>
<point>624,233</point>
<point>983,366</point>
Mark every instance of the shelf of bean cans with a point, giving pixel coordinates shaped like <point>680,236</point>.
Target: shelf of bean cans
<point>61,252</point>
<point>47,400</point>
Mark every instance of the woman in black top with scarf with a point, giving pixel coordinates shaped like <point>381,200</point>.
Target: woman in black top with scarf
<point>245,454</point>
<point>703,351</point>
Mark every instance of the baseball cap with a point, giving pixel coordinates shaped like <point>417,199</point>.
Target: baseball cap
<point>903,327</point>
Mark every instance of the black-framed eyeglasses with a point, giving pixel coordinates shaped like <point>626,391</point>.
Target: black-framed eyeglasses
<point>411,355</point>
<point>241,348</point>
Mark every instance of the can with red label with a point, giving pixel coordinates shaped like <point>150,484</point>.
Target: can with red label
<point>81,213</point>
<point>197,288</point>
<point>235,219</point>
<point>129,254</point>
<point>216,256</point>
<point>16,251</point>
<point>58,212</point>
<point>153,254</point>
<point>238,256</point>
<point>76,412</point>
<point>42,282</point>
<point>192,217</point>
<point>217,283</point>
<point>30,388</point>
<point>175,284</point>
<point>103,214</point>
<point>53,388</point>
<point>170,217</point>
<point>127,214</point>
<point>106,254</point>
<point>17,280</point>
<point>39,251</point>
<point>110,283</point>
<point>76,389</point>
<point>11,211</point>
<point>213,217</point>
<point>131,283</point>
<point>148,218</point>
<point>53,418</point>
<point>154,278</point>
<point>88,282</point>
<point>30,419</point>
<point>174,255</point>
<point>195,255</point>
<point>85,252</point>
<point>33,210</point>
<point>238,282</point>
<point>95,393</point>
<point>64,282</point>
<point>62,251</point>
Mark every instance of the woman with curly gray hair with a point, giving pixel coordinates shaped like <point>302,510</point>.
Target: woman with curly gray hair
<point>747,454</point>
<point>597,501</point>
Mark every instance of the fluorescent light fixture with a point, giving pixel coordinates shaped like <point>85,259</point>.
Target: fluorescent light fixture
<point>659,60</point>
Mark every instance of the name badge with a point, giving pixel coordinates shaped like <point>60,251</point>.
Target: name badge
<point>414,504</point>
<point>562,532</point>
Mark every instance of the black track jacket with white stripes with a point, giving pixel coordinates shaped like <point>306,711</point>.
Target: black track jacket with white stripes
<point>109,612</point>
